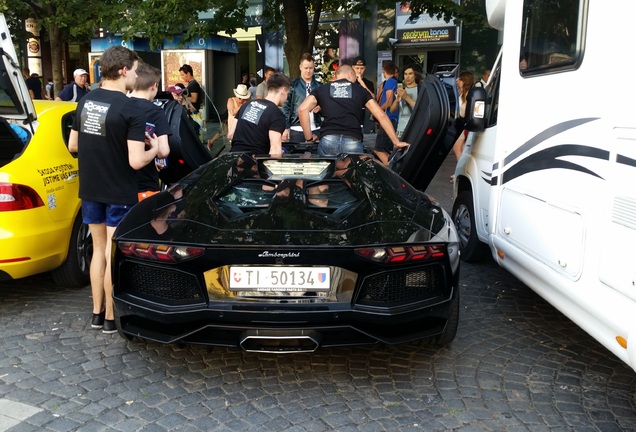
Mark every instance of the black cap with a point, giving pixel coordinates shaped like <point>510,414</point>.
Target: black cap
<point>359,61</point>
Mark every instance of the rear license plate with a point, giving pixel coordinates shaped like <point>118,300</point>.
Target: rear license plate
<point>290,279</point>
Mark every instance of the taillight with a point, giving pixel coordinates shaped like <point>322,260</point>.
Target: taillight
<point>402,254</point>
<point>159,252</point>
<point>18,197</point>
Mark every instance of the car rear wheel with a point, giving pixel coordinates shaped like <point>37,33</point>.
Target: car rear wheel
<point>472,250</point>
<point>75,271</point>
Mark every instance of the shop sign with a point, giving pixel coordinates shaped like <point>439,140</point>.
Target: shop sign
<point>436,34</point>
<point>422,28</point>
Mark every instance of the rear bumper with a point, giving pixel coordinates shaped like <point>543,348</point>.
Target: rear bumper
<point>277,329</point>
<point>29,247</point>
<point>365,304</point>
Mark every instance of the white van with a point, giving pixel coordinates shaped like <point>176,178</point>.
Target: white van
<point>547,179</point>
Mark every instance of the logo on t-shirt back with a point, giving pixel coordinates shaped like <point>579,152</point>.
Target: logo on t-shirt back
<point>253,112</point>
<point>93,118</point>
<point>340,90</point>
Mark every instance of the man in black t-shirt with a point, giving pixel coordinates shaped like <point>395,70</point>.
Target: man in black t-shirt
<point>33,83</point>
<point>146,88</point>
<point>341,102</point>
<point>359,66</point>
<point>108,135</point>
<point>260,124</point>
<point>195,92</point>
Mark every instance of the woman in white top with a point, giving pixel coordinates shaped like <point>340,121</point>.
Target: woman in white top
<point>406,98</point>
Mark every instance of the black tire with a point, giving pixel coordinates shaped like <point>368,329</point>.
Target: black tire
<point>75,271</point>
<point>452,324</point>
<point>471,249</point>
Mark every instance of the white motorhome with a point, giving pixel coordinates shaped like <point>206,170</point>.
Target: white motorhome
<point>548,179</point>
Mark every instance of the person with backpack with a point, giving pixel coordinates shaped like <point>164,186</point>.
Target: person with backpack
<point>49,89</point>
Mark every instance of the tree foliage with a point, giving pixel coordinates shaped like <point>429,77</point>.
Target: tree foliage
<point>78,20</point>
<point>479,42</point>
<point>62,20</point>
<point>159,19</point>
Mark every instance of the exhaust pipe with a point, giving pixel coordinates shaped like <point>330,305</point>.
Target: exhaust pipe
<point>280,341</point>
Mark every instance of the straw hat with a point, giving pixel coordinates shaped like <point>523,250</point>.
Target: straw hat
<point>242,92</point>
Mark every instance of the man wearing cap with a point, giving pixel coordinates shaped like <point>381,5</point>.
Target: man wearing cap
<point>359,66</point>
<point>77,89</point>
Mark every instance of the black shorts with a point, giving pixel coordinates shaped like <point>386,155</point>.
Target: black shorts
<point>382,141</point>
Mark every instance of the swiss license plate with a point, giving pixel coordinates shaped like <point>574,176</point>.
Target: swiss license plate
<point>290,279</point>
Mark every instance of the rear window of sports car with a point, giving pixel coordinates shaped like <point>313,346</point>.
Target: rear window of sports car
<point>252,195</point>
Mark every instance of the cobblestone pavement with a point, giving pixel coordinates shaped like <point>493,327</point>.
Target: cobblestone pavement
<point>516,365</point>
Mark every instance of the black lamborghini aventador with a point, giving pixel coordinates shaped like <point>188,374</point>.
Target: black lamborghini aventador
<point>291,253</point>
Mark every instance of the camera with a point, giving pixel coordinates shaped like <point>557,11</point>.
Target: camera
<point>185,92</point>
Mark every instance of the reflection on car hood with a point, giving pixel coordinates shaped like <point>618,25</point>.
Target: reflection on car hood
<point>236,199</point>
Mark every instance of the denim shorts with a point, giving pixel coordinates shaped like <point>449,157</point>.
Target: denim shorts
<point>97,213</point>
<point>331,145</point>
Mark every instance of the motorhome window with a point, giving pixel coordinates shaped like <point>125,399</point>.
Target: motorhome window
<point>552,36</point>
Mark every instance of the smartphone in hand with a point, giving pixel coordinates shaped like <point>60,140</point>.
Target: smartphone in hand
<point>161,162</point>
<point>150,128</point>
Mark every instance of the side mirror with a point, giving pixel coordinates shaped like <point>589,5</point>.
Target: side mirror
<point>476,109</point>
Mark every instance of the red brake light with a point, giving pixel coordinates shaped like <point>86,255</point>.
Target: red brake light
<point>18,197</point>
<point>402,254</point>
<point>396,255</point>
<point>158,252</point>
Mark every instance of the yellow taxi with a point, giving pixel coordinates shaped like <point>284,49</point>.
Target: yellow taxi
<point>41,226</point>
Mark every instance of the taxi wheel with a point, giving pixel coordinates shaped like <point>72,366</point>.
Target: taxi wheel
<point>75,271</point>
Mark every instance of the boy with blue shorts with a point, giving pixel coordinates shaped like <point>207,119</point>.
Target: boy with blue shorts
<point>108,135</point>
